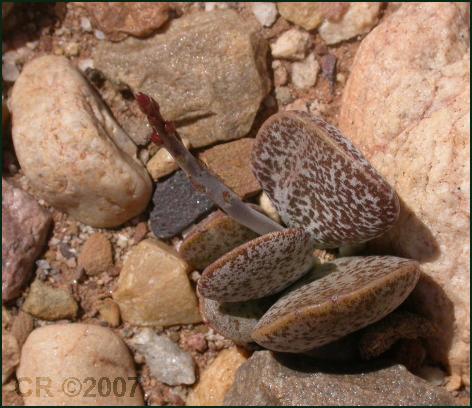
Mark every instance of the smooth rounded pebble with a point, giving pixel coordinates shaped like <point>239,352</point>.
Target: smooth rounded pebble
<point>261,267</point>
<point>234,321</point>
<point>359,291</point>
<point>71,149</point>
<point>318,180</point>
<point>77,364</point>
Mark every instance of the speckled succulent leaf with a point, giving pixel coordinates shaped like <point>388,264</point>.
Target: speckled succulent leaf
<point>258,268</point>
<point>317,179</point>
<point>360,291</point>
<point>234,321</point>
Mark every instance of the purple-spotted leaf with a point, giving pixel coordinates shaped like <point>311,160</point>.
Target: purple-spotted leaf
<point>258,268</point>
<point>359,291</point>
<point>318,180</point>
<point>234,321</point>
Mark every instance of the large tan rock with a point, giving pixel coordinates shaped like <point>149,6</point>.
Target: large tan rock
<point>207,71</point>
<point>217,378</point>
<point>71,149</point>
<point>74,363</point>
<point>154,289</point>
<point>406,106</point>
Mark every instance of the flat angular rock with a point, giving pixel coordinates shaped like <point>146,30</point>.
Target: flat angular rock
<point>153,287</point>
<point>217,378</point>
<point>48,303</point>
<point>62,353</point>
<point>355,292</point>
<point>71,149</point>
<point>231,162</point>
<point>25,225</point>
<point>259,268</point>
<point>167,362</point>
<point>212,238</point>
<point>117,19</point>
<point>266,379</point>
<point>176,206</point>
<point>395,110</point>
<point>207,71</point>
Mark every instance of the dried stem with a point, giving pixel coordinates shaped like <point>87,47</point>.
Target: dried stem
<point>201,177</point>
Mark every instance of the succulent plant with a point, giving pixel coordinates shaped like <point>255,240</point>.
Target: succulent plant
<point>328,195</point>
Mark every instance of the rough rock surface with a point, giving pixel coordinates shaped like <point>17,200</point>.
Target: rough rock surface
<point>408,110</point>
<point>167,362</point>
<point>192,68</point>
<point>359,19</point>
<point>48,303</point>
<point>153,287</point>
<point>217,379</point>
<point>25,225</point>
<point>213,237</point>
<point>96,255</point>
<point>176,206</point>
<point>231,162</point>
<point>71,149</point>
<point>62,353</point>
<point>117,19</point>
<point>268,380</point>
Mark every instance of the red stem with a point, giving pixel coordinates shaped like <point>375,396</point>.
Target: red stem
<point>201,177</point>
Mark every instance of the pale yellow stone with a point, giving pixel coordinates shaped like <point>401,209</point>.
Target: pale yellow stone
<point>359,19</point>
<point>162,163</point>
<point>67,359</point>
<point>292,45</point>
<point>216,380</point>
<point>153,287</point>
<point>308,15</point>
<point>268,208</point>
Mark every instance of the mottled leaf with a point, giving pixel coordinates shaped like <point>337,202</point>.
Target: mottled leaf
<point>318,180</point>
<point>359,291</point>
<point>261,267</point>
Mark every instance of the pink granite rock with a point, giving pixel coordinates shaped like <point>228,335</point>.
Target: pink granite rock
<point>406,106</point>
<point>25,225</point>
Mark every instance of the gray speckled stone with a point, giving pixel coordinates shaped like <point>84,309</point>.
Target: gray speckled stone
<point>176,205</point>
<point>302,384</point>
